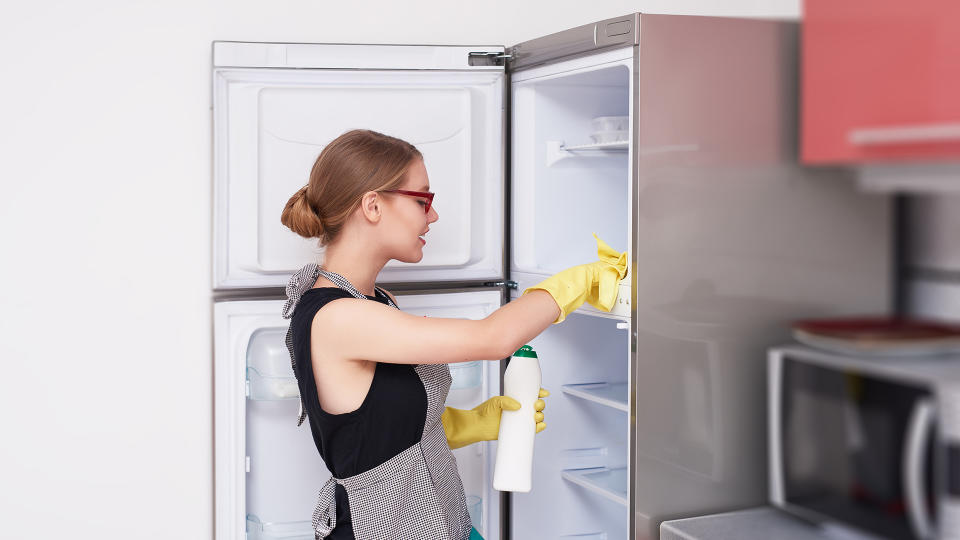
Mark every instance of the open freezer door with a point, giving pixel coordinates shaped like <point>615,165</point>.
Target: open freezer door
<point>267,469</point>
<point>276,106</point>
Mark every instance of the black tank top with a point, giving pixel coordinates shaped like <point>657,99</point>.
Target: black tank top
<point>389,420</point>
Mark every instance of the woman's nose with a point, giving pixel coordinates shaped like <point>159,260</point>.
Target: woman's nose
<point>432,216</point>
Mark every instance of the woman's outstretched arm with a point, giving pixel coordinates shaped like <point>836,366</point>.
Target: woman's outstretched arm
<point>352,329</point>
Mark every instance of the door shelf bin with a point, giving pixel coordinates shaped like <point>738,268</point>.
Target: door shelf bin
<point>289,530</point>
<point>612,395</point>
<point>609,483</point>
<point>466,375</point>
<point>265,387</point>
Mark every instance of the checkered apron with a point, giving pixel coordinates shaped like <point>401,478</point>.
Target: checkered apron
<point>416,494</point>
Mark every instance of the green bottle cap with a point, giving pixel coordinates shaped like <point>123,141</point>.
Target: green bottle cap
<point>526,352</point>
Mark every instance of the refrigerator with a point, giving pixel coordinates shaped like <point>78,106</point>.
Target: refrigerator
<point>657,408</point>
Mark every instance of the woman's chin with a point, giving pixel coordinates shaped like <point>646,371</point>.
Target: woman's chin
<point>413,257</point>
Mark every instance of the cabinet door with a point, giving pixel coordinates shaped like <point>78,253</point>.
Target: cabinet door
<point>276,106</point>
<point>881,80</point>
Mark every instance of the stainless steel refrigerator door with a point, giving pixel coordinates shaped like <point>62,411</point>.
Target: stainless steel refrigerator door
<point>267,470</point>
<point>733,240</point>
<point>275,106</point>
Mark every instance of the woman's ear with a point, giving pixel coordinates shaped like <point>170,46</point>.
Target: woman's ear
<point>371,206</point>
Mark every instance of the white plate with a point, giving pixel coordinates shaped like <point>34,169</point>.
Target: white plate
<point>903,348</point>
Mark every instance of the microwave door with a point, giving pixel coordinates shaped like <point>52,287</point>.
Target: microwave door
<point>856,450</point>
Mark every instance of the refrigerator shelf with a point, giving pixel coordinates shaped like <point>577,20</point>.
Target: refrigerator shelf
<point>288,530</point>
<point>612,395</point>
<point>614,146</point>
<point>609,483</point>
<point>558,150</point>
<point>269,388</point>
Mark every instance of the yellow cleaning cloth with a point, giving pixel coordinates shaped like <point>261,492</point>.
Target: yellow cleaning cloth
<point>594,283</point>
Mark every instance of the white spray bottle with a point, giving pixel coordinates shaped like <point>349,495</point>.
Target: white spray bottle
<point>521,381</point>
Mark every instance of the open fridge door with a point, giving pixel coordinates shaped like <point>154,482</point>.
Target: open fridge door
<point>572,176</point>
<point>276,106</point>
<point>267,470</point>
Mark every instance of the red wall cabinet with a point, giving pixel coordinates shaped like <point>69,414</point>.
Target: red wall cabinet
<point>880,80</point>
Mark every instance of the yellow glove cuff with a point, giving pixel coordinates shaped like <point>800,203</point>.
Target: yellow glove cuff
<point>481,423</point>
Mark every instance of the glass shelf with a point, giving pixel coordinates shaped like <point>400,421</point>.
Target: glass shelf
<point>609,483</point>
<point>608,394</point>
<point>289,530</point>
<point>614,146</point>
<point>558,150</point>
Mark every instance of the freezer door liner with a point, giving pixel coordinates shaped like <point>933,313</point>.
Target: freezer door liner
<point>270,125</point>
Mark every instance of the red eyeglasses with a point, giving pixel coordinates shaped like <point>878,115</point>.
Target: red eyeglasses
<point>427,203</point>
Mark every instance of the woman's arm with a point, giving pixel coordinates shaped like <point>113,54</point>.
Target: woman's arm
<point>353,329</point>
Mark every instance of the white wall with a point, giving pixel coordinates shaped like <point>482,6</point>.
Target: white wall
<point>105,219</point>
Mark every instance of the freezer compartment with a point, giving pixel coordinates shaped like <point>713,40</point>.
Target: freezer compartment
<point>571,174</point>
<point>581,459</point>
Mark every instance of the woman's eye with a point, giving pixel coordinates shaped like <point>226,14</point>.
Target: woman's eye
<point>421,202</point>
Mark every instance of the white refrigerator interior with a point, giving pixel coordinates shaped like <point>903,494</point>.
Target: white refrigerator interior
<point>268,471</point>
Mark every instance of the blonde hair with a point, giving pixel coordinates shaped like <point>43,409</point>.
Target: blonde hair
<point>352,164</point>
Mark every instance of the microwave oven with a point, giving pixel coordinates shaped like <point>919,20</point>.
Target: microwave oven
<point>868,445</point>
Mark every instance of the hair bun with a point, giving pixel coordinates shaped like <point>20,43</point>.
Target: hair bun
<point>300,218</point>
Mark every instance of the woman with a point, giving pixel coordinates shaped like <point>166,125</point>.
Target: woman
<point>372,378</point>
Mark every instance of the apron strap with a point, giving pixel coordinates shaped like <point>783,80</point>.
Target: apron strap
<point>303,281</point>
<point>325,514</point>
<point>342,282</point>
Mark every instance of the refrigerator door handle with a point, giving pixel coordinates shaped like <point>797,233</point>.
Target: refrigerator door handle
<point>921,422</point>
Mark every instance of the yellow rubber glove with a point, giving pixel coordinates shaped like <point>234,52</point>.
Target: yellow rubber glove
<point>482,423</point>
<point>594,283</point>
